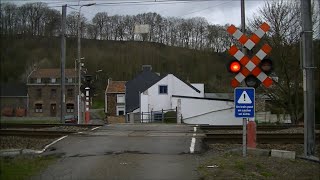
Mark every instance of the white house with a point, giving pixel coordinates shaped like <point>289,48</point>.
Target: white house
<point>159,95</point>
<point>149,95</point>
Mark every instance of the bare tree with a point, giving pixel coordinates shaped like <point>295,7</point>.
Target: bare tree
<point>284,20</point>
<point>100,21</point>
<point>8,18</point>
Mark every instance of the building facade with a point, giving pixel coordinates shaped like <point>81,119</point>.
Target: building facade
<point>115,98</point>
<point>44,90</point>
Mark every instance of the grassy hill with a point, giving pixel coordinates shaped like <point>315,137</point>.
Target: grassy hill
<point>118,60</point>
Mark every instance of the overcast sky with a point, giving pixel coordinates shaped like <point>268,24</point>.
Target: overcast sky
<point>214,11</point>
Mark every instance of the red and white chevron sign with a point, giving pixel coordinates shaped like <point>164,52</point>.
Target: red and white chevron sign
<point>250,66</point>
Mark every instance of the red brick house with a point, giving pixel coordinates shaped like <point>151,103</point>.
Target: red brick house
<point>115,98</point>
<point>44,92</point>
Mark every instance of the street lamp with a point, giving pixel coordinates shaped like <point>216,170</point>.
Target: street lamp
<point>79,59</point>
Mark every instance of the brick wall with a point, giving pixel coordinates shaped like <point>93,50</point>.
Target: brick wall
<point>112,104</point>
<point>47,99</point>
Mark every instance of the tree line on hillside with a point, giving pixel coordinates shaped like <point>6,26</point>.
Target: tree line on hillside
<point>37,19</point>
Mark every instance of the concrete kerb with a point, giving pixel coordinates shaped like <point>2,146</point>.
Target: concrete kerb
<point>16,152</point>
<point>268,152</point>
<point>253,151</point>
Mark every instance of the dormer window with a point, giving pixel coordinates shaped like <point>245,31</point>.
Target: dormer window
<point>38,80</point>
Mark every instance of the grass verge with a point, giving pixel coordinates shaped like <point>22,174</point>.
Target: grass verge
<point>232,165</point>
<point>23,167</point>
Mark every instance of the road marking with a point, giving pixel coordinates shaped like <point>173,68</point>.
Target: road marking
<point>47,146</point>
<point>95,128</point>
<point>193,140</point>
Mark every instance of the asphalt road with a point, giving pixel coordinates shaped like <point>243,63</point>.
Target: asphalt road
<point>127,152</point>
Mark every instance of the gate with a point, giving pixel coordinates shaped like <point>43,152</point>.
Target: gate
<point>162,116</point>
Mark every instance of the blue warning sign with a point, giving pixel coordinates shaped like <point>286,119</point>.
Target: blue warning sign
<point>244,98</point>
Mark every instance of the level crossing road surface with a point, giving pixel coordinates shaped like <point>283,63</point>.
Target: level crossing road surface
<point>128,151</point>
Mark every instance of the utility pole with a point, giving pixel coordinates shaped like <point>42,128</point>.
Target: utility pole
<point>79,68</point>
<point>63,63</point>
<point>244,120</point>
<point>308,80</point>
<point>79,61</point>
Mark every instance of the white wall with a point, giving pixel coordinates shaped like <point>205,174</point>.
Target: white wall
<point>151,100</point>
<point>205,111</point>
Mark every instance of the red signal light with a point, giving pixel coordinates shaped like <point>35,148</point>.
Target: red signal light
<point>235,67</point>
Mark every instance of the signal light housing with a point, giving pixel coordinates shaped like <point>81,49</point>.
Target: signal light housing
<point>234,66</point>
<point>252,81</point>
<point>266,66</point>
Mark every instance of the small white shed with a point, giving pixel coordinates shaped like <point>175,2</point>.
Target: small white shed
<point>197,110</point>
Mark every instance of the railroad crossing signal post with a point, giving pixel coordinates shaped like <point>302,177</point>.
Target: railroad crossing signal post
<point>253,70</point>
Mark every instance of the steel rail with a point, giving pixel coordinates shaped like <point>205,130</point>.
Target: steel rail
<point>36,126</point>
<point>262,138</point>
<point>33,133</point>
<point>259,127</point>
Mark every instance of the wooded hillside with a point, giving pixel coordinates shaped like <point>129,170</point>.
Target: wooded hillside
<point>118,60</point>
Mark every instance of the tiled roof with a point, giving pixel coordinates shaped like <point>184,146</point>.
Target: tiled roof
<point>47,73</point>
<point>116,87</point>
<point>140,83</point>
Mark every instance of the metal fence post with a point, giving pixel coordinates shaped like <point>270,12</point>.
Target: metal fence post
<point>162,115</point>
<point>141,117</point>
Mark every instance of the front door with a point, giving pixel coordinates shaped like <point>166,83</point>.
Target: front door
<point>53,110</point>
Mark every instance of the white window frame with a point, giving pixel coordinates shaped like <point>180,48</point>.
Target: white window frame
<point>53,80</point>
<point>120,108</point>
<point>163,85</point>
<point>69,80</point>
<point>119,97</point>
<point>38,110</point>
<point>69,110</point>
<point>38,80</point>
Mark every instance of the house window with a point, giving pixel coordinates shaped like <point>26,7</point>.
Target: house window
<point>53,93</point>
<point>38,80</point>
<point>38,108</point>
<point>163,89</point>
<point>70,92</point>
<point>70,108</point>
<point>120,110</point>
<point>69,80</point>
<point>39,93</point>
<point>120,98</point>
<point>53,80</point>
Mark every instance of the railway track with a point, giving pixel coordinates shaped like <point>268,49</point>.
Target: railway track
<point>34,133</point>
<point>262,138</point>
<point>39,126</point>
<point>259,127</point>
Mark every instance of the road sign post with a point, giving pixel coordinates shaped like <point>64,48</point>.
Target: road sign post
<point>244,105</point>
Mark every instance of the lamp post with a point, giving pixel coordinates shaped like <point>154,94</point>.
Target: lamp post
<point>79,60</point>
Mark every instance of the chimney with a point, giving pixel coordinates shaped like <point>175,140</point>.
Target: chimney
<point>146,67</point>
<point>109,80</point>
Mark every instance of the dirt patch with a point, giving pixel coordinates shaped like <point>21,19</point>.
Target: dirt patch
<point>116,119</point>
<point>220,162</point>
<point>17,142</point>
